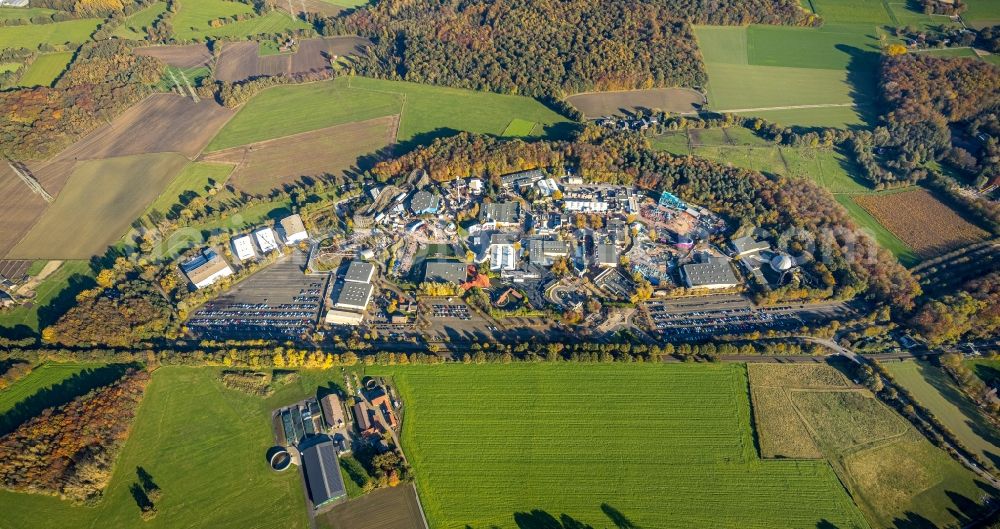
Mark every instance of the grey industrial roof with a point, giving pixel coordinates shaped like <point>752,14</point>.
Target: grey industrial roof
<point>540,247</point>
<point>323,473</point>
<point>359,272</point>
<point>513,178</point>
<point>424,201</point>
<point>503,212</point>
<point>606,253</point>
<point>747,244</point>
<point>446,272</point>
<point>353,294</point>
<point>714,272</point>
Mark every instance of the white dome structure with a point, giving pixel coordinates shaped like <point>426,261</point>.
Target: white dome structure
<point>781,262</point>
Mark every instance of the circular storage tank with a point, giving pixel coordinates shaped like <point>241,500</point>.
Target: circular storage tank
<point>281,460</point>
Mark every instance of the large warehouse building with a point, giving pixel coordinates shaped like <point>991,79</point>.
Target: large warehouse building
<point>322,469</point>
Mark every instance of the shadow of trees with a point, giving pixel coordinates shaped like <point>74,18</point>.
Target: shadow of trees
<point>61,393</point>
<point>862,76</point>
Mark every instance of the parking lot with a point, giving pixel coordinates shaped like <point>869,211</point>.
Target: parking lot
<point>450,310</point>
<point>279,301</point>
<point>704,316</point>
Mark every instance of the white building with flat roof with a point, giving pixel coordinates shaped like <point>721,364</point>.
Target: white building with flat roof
<point>243,248</point>
<point>266,240</point>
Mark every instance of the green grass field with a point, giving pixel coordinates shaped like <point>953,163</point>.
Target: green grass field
<point>46,69</point>
<point>511,446</point>
<point>11,13</point>
<point>741,148</point>
<point>950,52</point>
<point>205,447</point>
<point>427,111</point>
<point>982,13</point>
<point>135,26</point>
<point>9,66</point>
<point>347,3</point>
<point>195,178</point>
<point>43,376</point>
<point>30,36</point>
<point>897,477</point>
<point>75,274</point>
<point>193,21</point>
<point>935,390</point>
<point>518,128</point>
<point>757,68</point>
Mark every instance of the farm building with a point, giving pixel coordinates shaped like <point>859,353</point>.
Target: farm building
<point>206,269</point>
<point>354,296</point>
<point>333,411</point>
<point>424,202</point>
<point>359,272</point>
<point>266,240</point>
<point>715,273</point>
<point>362,415</point>
<point>446,272</point>
<point>322,469</point>
<point>243,248</point>
<point>292,229</point>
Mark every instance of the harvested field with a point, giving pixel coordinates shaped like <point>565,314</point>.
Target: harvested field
<point>101,199</point>
<point>331,151</point>
<point>186,56</point>
<point>922,221</point>
<point>160,123</point>
<point>892,472</point>
<point>596,104</point>
<point>19,208</point>
<point>241,60</point>
<point>295,7</point>
<point>395,508</point>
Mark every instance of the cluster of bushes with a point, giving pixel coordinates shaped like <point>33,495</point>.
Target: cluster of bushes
<point>259,383</point>
<point>13,371</point>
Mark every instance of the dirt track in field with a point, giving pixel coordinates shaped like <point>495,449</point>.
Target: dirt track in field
<point>597,104</point>
<point>240,60</point>
<point>294,7</point>
<point>263,166</point>
<point>186,56</point>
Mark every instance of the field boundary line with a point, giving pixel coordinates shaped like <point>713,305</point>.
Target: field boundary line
<point>205,157</point>
<point>787,107</point>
